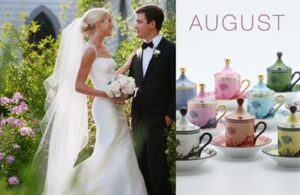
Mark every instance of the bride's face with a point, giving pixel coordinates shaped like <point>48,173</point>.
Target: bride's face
<point>106,26</point>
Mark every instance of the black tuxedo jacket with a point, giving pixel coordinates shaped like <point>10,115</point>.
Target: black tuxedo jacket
<point>155,97</point>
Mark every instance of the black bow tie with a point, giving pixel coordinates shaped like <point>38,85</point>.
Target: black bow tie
<point>145,45</point>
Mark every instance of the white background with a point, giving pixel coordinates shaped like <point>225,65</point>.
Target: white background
<point>202,53</point>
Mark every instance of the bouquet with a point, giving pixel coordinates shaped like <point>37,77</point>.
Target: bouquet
<point>120,86</point>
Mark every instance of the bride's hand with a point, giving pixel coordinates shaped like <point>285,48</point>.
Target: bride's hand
<point>129,60</point>
<point>119,100</point>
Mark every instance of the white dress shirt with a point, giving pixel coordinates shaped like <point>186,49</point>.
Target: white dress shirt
<point>148,52</point>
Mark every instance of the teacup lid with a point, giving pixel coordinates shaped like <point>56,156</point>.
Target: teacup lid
<point>291,122</point>
<point>261,88</point>
<point>183,81</point>
<point>239,115</point>
<point>184,125</point>
<point>227,72</point>
<point>202,98</point>
<point>279,66</point>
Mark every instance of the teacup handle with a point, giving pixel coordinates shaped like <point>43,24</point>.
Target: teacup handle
<point>224,111</point>
<point>280,100</point>
<point>200,140</point>
<point>297,72</point>
<point>247,86</point>
<point>263,130</point>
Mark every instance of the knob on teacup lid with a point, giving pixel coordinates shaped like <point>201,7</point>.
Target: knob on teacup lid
<point>182,69</point>
<point>183,125</point>
<point>240,115</point>
<point>292,122</point>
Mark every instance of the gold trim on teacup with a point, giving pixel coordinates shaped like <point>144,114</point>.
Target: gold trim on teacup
<point>185,88</point>
<point>260,94</point>
<point>201,105</point>
<point>227,78</point>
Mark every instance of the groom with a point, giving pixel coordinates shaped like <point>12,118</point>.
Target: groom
<point>153,107</point>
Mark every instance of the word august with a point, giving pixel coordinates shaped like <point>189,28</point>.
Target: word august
<point>231,22</point>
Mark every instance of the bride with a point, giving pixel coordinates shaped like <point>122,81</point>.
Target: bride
<point>112,169</point>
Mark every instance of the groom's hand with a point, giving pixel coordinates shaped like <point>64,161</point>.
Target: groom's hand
<point>168,120</point>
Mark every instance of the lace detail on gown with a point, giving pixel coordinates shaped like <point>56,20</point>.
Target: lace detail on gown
<point>112,169</point>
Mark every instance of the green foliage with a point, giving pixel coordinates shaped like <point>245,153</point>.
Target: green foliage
<point>19,138</point>
<point>171,155</point>
<point>24,65</point>
<point>84,5</point>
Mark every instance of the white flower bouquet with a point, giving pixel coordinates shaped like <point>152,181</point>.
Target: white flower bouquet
<point>120,86</point>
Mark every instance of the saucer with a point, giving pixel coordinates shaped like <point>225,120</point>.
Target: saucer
<point>248,151</point>
<point>289,96</point>
<point>215,131</point>
<point>192,164</point>
<point>283,161</point>
<point>279,116</point>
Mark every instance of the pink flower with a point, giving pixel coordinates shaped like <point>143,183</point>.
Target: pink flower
<point>4,101</point>
<point>17,97</point>
<point>19,122</point>
<point>23,107</point>
<point>16,146</point>
<point>124,89</point>
<point>13,180</point>
<point>2,155</point>
<point>3,122</point>
<point>10,120</point>
<point>10,159</point>
<point>223,86</point>
<point>25,131</point>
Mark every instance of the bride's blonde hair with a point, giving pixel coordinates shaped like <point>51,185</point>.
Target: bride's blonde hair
<point>90,18</point>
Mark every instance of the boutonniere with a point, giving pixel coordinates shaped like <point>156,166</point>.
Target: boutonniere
<point>156,52</point>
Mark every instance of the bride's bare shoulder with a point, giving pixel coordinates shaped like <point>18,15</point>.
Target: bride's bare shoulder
<point>89,53</point>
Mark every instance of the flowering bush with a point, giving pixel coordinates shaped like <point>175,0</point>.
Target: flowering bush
<point>120,86</point>
<point>19,137</point>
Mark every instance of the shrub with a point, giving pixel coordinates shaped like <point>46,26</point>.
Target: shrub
<point>19,137</point>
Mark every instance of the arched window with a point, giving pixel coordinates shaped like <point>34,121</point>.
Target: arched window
<point>49,24</point>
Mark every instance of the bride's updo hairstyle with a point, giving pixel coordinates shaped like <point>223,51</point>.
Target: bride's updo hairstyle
<point>90,18</point>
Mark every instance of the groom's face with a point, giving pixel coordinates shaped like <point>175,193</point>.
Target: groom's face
<point>142,27</point>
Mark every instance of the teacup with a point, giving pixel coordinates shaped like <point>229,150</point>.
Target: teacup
<point>289,135</point>
<point>240,128</point>
<point>279,76</point>
<point>203,110</point>
<point>228,84</point>
<point>261,101</point>
<point>185,89</point>
<point>189,139</point>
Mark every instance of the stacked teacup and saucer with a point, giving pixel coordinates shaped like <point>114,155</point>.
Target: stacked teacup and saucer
<point>228,86</point>
<point>265,105</point>
<point>287,150</point>
<point>191,150</point>
<point>241,139</point>
<point>279,79</point>
<point>204,112</point>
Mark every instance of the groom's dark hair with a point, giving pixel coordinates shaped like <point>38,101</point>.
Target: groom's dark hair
<point>152,12</point>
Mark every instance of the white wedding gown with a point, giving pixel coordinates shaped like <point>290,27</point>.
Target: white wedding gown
<point>112,169</point>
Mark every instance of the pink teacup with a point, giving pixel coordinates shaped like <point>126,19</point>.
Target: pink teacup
<point>228,84</point>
